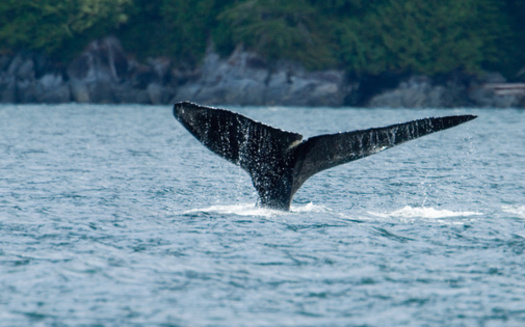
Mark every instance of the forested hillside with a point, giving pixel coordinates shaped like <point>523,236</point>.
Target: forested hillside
<point>359,36</point>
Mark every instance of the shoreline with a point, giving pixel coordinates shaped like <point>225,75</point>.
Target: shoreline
<point>104,73</point>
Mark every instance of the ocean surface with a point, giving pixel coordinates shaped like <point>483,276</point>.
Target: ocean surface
<point>117,216</point>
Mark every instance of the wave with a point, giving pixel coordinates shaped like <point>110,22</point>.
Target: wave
<point>425,212</point>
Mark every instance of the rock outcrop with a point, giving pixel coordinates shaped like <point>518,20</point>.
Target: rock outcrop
<point>247,79</point>
<point>486,91</point>
<point>26,78</point>
<point>103,73</point>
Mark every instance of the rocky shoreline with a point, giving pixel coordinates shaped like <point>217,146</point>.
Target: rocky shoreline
<point>104,73</point>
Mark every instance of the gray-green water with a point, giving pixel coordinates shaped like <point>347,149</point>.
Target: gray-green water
<point>116,216</point>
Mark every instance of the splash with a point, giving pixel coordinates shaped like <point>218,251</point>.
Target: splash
<point>425,212</point>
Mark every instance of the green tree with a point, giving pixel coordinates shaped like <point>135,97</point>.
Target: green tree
<point>47,25</point>
<point>179,29</point>
<point>429,37</point>
<point>279,29</point>
<point>190,25</point>
<point>361,36</point>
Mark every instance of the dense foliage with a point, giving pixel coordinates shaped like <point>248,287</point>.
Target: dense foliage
<point>57,26</point>
<point>361,36</point>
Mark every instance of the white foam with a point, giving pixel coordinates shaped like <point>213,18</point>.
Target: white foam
<point>515,210</point>
<point>248,209</point>
<point>309,207</point>
<point>425,212</point>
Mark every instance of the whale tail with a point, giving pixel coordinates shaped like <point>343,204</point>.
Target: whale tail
<point>279,162</point>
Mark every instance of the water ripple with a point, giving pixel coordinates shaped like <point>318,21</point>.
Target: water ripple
<point>114,215</point>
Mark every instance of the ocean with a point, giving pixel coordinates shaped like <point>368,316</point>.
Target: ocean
<point>116,216</point>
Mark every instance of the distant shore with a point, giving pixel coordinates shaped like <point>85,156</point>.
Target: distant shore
<point>105,73</point>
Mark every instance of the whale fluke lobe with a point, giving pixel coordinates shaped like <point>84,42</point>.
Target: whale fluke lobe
<point>279,162</point>
<point>326,151</point>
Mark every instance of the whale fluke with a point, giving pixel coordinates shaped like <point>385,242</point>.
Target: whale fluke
<point>279,162</point>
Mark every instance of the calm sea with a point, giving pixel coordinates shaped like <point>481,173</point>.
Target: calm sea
<point>117,216</point>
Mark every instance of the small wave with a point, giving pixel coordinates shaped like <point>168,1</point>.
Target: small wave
<point>425,212</point>
<point>517,210</point>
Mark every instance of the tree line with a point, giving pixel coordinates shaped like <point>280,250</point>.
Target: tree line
<point>430,37</point>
